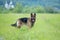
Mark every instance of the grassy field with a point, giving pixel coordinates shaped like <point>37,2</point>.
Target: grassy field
<point>47,27</point>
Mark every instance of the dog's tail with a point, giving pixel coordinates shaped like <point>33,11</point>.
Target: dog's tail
<point>13,24</point>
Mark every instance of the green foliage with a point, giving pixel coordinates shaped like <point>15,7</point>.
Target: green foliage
<point>4,10</point>
<point>52,10</point>
<point>38,9</point>
<point>18,8</point>
<point>1,9</point>
<point>26,9</point>
<point>49,10</point>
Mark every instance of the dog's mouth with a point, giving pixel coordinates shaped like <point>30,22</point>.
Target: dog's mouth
<point>32,20</point>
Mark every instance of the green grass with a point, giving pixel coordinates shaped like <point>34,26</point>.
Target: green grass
<point>47,27</point>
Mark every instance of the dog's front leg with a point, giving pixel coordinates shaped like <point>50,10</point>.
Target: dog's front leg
<point>29,23</point>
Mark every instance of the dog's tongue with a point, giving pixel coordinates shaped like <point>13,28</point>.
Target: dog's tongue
<point>33,20</point>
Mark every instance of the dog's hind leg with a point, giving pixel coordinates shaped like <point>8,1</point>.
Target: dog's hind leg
<point>19,23</point>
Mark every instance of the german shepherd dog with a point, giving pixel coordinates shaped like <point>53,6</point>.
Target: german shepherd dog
<point>28,21</point>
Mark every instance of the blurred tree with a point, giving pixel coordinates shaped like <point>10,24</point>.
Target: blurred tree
<point>18,8</point>
<point>37,9</point>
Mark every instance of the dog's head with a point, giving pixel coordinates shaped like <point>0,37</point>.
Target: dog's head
<point>33,17</point>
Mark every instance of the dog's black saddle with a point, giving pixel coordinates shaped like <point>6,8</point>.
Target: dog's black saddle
<point>24,19</point>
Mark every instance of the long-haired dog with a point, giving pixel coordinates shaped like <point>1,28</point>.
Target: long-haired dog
<point>28,21</point>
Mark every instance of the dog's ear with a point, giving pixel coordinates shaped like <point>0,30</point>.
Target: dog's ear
<point>35,14</point>
<point>31,14</point>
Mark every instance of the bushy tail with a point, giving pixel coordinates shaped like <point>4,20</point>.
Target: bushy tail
<point>13,24</point>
